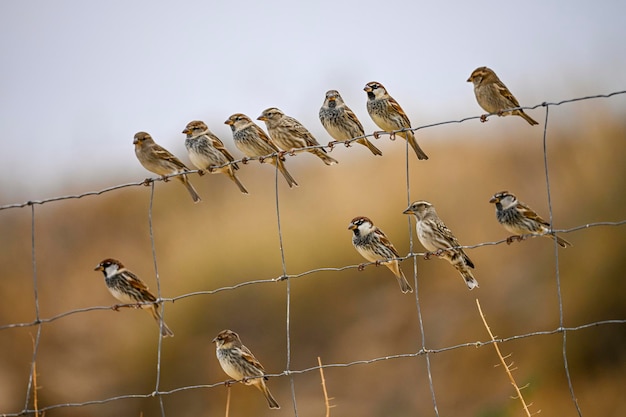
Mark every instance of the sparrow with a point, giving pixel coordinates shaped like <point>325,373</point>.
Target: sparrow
<point>240,364</point>
<point>437,238</point>
<point>129,289</point>
<point>207,152</point>
<point>157,159</point>
<point>289,134</point>
<point>493,96</point>
<point>341,123</point>
<point>389,116</point>
<point>519,219</point>
<point>374,246</point>
<point>253,142</point>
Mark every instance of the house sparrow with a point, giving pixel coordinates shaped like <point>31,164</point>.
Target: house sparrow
<point>156,159</point>
<point>253,142</point>
<point>207,152</point>
<point>129,289</point>
<point>289,134</point>
<point>374,246</point>
<point>437,238</point>
<point>341,123</point>
<point>519,219</point>
<point>493,96</point>
<point>389,116</point>
<point>240,364</point>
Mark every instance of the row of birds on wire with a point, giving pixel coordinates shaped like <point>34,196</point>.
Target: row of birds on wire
<point>287,135</point>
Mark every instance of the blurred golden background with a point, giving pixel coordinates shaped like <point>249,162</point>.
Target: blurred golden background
<point>340,316</point>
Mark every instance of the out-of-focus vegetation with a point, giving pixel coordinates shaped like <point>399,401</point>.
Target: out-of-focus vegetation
<point>343,316</point>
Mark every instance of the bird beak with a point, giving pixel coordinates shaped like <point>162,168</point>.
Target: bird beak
<point>135,141</point>
<point>469,80</point>
<point>494,200</point>
<point>186,131</point>
<point>332,98</point>
<point>263,118</point>
<point>214,340</point>
<point>98,268</point>
<point>229,122</point>
<point>408,211</point>
<point>352,226</point>
<point>368,89</point>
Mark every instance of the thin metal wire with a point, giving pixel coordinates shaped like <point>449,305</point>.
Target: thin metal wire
<point>161,305</point>
<point>418,306</point>
<point>399,356</point>
<point>557,273</point>
<point>31,388</point>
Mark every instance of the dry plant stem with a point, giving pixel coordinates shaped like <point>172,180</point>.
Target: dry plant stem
<point>319,361</point>
<point>227,400</point>
<point>504,364</point>
<point>34,381</point>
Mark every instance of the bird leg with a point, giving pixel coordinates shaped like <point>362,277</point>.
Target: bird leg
<point>392,136</point>
<point>510,239</point>
<point>361,267</point>
<point>377,133</point>
<point>292,152</point>
<point>147,182</point>
<point>483,118</point>
<point>165,179</point>
<point>245,160</point>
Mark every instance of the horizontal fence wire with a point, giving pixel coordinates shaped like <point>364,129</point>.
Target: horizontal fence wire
<point>422,350</point>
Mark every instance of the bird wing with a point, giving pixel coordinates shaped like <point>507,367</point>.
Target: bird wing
<point>165,155</point>
<point>300,131</point>
<point>386,242</point>
<point>137,284</point>
<point>396,109</point>
<point>529,213</point>
<point>355,120</point>
<point>506,93</point>
<point>263,136</point>
<point>249,357</point>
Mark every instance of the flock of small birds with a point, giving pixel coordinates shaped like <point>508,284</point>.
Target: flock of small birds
<point>286,135</point>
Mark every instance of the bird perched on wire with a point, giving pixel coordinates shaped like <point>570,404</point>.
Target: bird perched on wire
<point>157,159</point>
<point>341,123</point>
<point>289,134</point>
<point>519,219</point>
<point>254,143</point>
<point>374,246</point>
<point>437,238</point>
<point>389,116</point>
<point>493,96</point>
<point>240,364</point>
<point>208,153</point>
<point>129,289</point>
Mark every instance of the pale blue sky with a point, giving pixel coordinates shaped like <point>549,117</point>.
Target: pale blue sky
<point>79,78</point>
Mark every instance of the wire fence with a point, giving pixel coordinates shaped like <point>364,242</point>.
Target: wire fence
<point>32,408</point>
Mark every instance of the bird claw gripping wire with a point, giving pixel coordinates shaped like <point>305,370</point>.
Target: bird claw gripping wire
<point>483,118</point>
<point>361,267</point>
<point>245,160</point>
<point>510,239</point>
